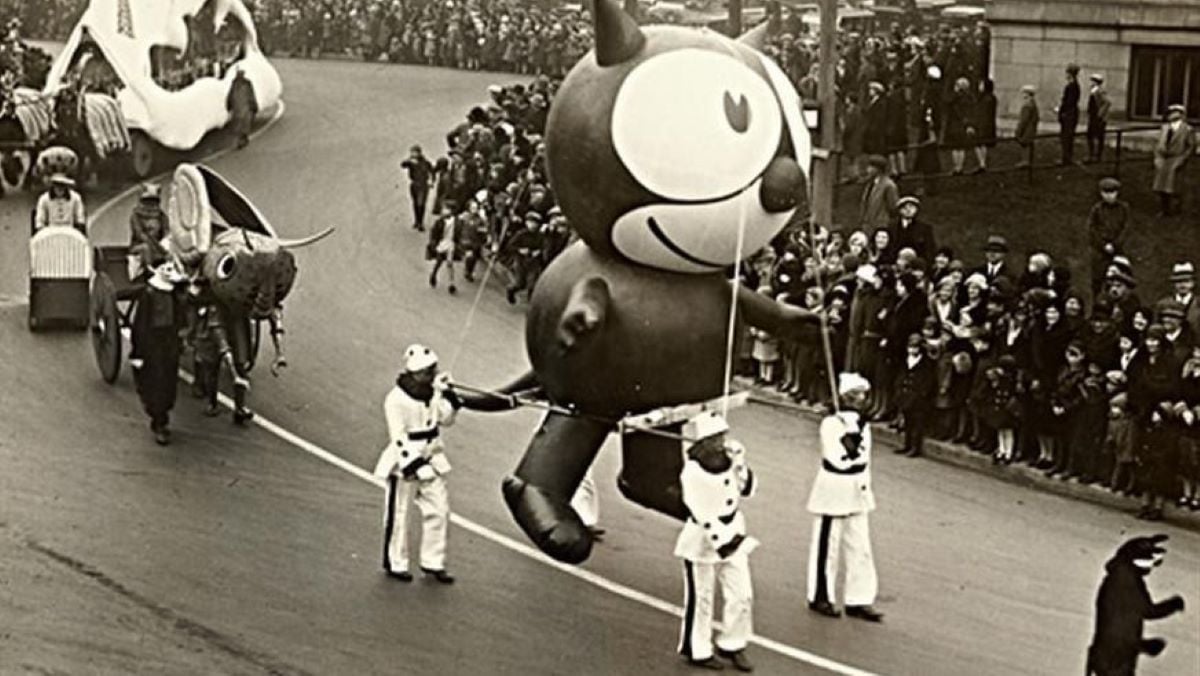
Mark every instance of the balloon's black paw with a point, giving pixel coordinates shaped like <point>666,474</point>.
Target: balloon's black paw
<point>549,521</point>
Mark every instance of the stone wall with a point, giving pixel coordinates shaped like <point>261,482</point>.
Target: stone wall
<point>1034,40</point>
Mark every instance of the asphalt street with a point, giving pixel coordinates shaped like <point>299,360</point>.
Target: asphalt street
<point>234,551</point>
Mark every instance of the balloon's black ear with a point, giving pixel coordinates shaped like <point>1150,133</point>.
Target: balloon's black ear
<point>618,36</point>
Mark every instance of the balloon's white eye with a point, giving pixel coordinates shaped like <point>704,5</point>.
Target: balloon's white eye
<point>226,266</point>
<point>694,124</point>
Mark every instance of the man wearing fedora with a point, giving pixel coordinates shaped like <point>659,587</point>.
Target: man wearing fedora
<point>1068,115</point>
<point>714,545</point>
<point>1183,279</point>
<point>1098,107</point>
<point>1176,145</point>
<point>60,206</point>
<point>995,265</point>
<point>1108,221</point>
<point>879,198</point>
<point>841,500</point>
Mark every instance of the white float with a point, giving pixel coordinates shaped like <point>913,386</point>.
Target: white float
<point>126,31</point>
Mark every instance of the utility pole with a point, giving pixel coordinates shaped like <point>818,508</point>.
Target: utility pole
<point>825,165</point>
<point>735,18</point>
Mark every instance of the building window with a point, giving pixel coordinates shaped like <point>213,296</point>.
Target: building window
<point>1163,76</point>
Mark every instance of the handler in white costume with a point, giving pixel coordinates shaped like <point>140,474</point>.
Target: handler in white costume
<point>415,465</point>
<point>841,498</point>
<point>713,544</point>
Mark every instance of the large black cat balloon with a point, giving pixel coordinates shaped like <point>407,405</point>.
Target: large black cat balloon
<point>663,144</point>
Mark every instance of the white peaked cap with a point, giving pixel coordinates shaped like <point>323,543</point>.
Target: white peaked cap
<point>705,425</point>
<point>419,358</point>
<point>852,382</point>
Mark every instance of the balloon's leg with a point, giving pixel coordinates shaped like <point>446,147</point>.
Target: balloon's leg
<point>539,492</point>
<point>650,467</point>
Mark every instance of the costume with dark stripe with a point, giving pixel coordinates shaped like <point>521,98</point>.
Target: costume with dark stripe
<point>841,498</point>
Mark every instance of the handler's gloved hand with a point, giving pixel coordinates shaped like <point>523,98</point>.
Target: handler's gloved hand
<point>441,382</point>
<point>425,473</point>
<point>1174,604</point>
<point>1153,646</point>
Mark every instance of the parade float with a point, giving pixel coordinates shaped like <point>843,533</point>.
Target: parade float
<point>170,67</point>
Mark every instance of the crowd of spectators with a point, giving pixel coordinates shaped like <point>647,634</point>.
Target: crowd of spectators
<point>1014,361</point>
<point>901,87</point>
<point>491,196</point>
<point>520,37</point>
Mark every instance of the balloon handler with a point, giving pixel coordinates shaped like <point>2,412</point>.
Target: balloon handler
<point>414,462</point>
<point>714,546</point>
<point>636,316</point>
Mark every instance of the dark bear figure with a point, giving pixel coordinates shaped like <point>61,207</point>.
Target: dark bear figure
<point>1123,604</point>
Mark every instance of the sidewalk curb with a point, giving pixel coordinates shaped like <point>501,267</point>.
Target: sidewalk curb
<point>958,456</point>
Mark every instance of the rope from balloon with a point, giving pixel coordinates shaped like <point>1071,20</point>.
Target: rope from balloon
<point>487,273</point>
<point>733,301</point>
<point>822,316</point>
<point>619,423</point>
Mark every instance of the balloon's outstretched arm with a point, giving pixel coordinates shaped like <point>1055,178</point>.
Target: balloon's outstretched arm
<point>503,399</point>
<point>778,319</point>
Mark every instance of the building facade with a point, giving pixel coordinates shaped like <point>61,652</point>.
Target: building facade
<point>1148,51</point>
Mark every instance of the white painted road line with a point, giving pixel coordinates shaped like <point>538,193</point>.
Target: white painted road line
<point>536,555</point>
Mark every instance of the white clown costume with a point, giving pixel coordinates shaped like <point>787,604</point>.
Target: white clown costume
<point>841,499</point>
<point>714,546</point>
<point>415,465</point>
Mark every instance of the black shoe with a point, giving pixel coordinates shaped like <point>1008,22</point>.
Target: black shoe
<point>711,663</point>
<point>902,451</point>
<point>242,416</point>
<point>511,295</point>
<point>864,613</point>
<point>738,658</point>
<point>433,281</point>
<point>824,608</point>
<point>440,575</point>
<point>453,289</point>
<point>212,410</point>
<point>402,575</point>
<point>914,453</point>
<point>162,436</point>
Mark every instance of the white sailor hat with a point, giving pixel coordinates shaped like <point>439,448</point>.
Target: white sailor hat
<point>419,358</point>
<point>705,425</point>
<point>852,382</point>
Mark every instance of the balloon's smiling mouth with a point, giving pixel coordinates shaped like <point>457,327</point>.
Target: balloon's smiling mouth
<point>674,248</point>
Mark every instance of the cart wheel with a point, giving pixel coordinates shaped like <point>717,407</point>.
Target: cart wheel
<point>255,341</point>
<point>106,327</point>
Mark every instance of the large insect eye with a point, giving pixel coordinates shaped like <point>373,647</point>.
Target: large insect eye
<point>226,266</point>
<point>694,124</point>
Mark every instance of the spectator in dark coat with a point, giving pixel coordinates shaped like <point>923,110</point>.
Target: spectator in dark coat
<point>1068,115</point>
<point>879,198</point>
<point>914,390</point>
<point>1108,221</point>
<point>1153,386</point>
<point>985,122</point>
<point>875,121</point>
<point>958,125</point>
<point>1027,124</point>
<point>911,233</point>
<point>1098,107</point>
